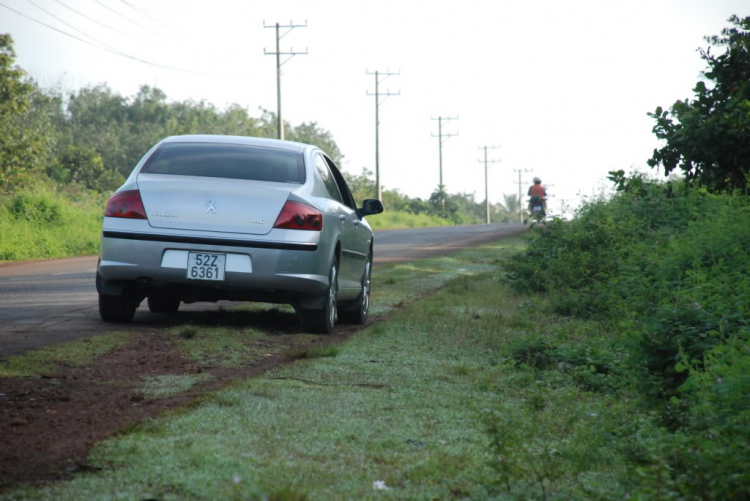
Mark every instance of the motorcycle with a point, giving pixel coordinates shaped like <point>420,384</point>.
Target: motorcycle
<point>536,208</point>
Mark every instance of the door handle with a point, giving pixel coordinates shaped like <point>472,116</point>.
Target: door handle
<point>342,217</point>
<point>356,222</point>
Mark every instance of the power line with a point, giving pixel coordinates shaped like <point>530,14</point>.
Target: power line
<point>105,48</point>
<point>279,64</point>
<point>94,20</point>
<point>144,13</point>
<point>71,26</point>
<point>377,95</point>
<point>441,140</point>
<point>486,181</point>
<point>126,17</point>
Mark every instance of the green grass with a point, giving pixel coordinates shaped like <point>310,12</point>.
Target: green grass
<point>220,346</point>
<point>74,353</point>
<point>43,223</point>
<point>410,402</point>
<point>171,384</point>
<point>395,220</point>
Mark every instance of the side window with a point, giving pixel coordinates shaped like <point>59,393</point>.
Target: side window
<point>327,177</point>
<point>346,193</point>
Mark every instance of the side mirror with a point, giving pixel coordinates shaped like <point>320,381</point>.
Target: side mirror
<point>370,207</point>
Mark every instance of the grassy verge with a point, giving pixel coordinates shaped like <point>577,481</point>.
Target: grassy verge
<point>454,396</point>
<point>395,220</point>
<point>77,353</point>
<point>43,223</point>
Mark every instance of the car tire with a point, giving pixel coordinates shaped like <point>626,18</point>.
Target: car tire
<point>358,310</point>
<point>117,309</point>
<point>163,304</point>
<point>323,320</point>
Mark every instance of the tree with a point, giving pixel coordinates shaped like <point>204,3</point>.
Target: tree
<point>361,186</point>
<point>708,137</point>
<point>310,133</point>
<point>511,203</point>
<point>84,165</point>
<point>443,206</point>
<point>19,147</point>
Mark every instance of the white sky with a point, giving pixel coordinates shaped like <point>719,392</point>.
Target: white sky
<point>562,86</point>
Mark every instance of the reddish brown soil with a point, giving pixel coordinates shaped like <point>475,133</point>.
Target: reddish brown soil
<point>48,425</point>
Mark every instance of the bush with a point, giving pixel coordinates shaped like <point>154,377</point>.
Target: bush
<point>40,208</point>
<point>45,223</point>
<point>668,271</point>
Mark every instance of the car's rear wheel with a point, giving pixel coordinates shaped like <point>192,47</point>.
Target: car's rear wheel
<point>163,304</point>
<point>358,310</point>
<point>117,309</point>
<point>323,320</point>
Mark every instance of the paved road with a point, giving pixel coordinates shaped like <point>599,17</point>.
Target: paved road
<point>47,302</point>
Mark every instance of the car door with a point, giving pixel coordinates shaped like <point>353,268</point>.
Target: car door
<point>356,232</point>
<point>347,281</point>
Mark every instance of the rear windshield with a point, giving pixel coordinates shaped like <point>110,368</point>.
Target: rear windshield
<point>231,161</point>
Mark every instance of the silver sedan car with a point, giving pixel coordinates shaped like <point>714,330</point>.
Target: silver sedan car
<point>209,218</point>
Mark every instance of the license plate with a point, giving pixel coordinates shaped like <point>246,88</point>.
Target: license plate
<point>537,208</point>
<point>205,266</point>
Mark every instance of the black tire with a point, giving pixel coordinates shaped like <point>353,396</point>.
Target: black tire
<point>358,310</point>
<point>117,309</point>
<point>163,304</point>
<point>323,320</point>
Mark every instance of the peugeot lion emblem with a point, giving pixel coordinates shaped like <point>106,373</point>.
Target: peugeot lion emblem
<point>211,206</point>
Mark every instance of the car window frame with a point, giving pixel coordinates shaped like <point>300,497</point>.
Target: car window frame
<point>324,171</point>
<point>346,193</point>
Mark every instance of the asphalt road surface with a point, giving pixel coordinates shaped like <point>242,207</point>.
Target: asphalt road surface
<point>48,302</point>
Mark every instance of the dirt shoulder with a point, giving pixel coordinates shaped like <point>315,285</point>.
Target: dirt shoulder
<point>48,423</point>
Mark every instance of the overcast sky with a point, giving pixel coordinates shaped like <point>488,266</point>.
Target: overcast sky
<point>562,86</point>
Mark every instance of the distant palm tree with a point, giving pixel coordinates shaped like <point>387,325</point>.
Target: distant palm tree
<point>511,203</point>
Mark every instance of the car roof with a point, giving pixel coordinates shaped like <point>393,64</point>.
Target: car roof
<point>243,140</point>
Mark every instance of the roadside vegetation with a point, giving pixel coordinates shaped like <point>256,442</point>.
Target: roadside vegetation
<point>665,267</point>
<point>69,150</point>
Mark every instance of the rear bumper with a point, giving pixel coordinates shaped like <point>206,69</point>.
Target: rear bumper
<point>220,242</point>
<point>153,263</point>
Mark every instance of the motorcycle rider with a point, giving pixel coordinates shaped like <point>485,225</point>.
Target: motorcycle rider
<point>538,194</point>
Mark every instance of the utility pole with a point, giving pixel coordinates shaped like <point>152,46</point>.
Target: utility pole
<point>440,137</point>
<point>520,187</point>
<point>289,27</point>
<point>378,102</point>
<point>486,181</point>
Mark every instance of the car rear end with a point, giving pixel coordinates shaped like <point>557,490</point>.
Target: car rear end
<point>205,218</point>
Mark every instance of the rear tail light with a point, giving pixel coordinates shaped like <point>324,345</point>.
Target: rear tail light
<point>298,216</point>
<point>126,204</point>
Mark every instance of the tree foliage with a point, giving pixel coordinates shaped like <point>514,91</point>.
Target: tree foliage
<point>708,137</point>
<point>19,146</point>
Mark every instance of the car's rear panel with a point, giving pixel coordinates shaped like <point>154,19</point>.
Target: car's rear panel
<point>231,217</point>
<point>202,204</point>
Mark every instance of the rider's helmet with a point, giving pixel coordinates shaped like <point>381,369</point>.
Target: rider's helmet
<point>537,180</point>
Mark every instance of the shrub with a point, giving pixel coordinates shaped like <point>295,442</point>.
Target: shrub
<point>41,208</point>
<point>45,223</point>
<point>668,271</point>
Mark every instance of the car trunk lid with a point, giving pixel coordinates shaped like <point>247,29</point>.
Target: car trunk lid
<point>211,204</point>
